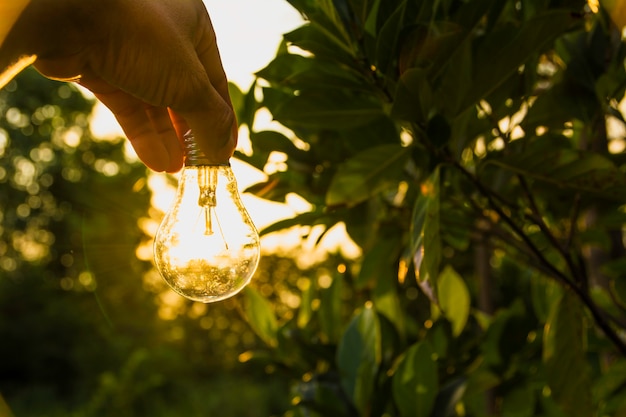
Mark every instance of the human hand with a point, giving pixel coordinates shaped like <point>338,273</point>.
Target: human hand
<point>154,64</point>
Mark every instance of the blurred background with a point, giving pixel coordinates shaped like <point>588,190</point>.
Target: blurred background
<point>87,327</point>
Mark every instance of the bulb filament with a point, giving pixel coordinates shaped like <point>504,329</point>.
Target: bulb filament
<point>207,183</point>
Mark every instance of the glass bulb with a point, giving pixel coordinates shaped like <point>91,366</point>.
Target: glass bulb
<point>206,247</point>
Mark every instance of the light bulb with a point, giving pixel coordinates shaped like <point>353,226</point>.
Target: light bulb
<point>206,247</point>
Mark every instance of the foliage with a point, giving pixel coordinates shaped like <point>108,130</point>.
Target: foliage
<point>86,327</point>
<point>467,147</point>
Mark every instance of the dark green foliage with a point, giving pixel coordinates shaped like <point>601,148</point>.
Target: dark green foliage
<point>464,144</point>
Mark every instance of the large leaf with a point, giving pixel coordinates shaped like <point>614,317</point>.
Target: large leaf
<point>260,316</point>
<point>328,110</point>
<point>330,310</point>
<point>454,299</point>
<point>298,72</point>
<point>309,218</point>
<point>425,248</point>
<point>269,141</point>
<point>324,15</point>
<point>322,43</point>
<point>503,52</point>
<point>413,99</point>
<point>359,356</point>
<point>386,298</point>
<point>568,168</point>
<point>367,174</point>
<point>387,39</point>
<point>564,357</point>
<point>416,381</point>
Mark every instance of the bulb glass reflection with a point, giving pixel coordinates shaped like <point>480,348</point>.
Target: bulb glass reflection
<point>206,247</point>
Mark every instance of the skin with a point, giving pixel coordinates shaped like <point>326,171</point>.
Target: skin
<point>153,63</point>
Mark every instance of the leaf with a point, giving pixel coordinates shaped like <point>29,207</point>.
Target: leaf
<point>304,219</point>
<point>544,294</point>
<point>324,15</point>
<point>386,300</point>
<point>504,52</point>
<point>413,98</point>
<point>305,312</point>
<point>567,371</point>
<point>359,356</point>
<point>611,382</point>
<point>377,262</point>
<point>568,168</point>
<point>416,381</point>
<point>330,310</point>
<point>387,38</point>
<point>270,141</point>
<point>328,110</point>
<point>237,98</point>
<point>260,316</point>
<point>454,299</point>
<point>322,43</point>
<point>298,72</point>
<point>425,236</point>
<point>366,174</point>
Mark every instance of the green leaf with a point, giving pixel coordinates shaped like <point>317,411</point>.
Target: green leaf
<point>505,51</point>
<point>324,15</point>
<point>270,141</point>
<point>370,22</point>
<point>387,302</point>
<point>567,371</point>
<point>304,219</point>
<point>377,262</point>
<point>359,356</point>
<point>413,98</point>
<point>323,43</point>
<point>416,381</point>
<point>387,39</point>
<point>544,294</point>
<point>454,299</point>
<point>366,174</point>
<point>237,98</point>
<point>305,312</point>
<point>298,72</point>
<point>260,316</point>
<point>568,168</point>
<point>328,110</point>
<point>611,382</point>
<point>425,236</point>
<point>330,310</point>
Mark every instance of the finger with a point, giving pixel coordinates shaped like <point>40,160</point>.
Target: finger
<point>213,121</point>
<point>209,56</point>
<point>180,124</point>
<point>165,133</point>
<point>212,124</point>
<point>149,130</point>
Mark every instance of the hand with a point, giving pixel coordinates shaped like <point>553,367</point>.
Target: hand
<point>155,64</point>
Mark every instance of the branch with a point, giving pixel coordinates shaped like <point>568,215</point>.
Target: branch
<point>537,218</point>
<point>598,314</point>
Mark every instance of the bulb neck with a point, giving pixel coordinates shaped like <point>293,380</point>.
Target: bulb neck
<point>194,156</point>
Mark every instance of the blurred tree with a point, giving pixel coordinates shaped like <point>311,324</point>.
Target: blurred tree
<point>474,151</point>
<point>88,328</point>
